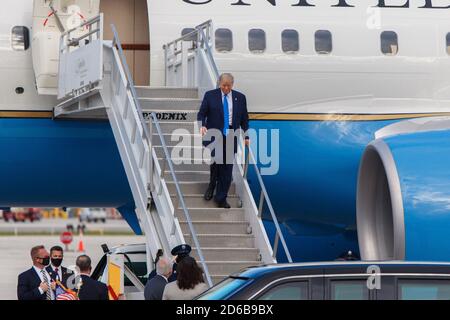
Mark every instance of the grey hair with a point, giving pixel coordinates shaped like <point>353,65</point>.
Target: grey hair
<point>226,75</point>
<point>163,267</point>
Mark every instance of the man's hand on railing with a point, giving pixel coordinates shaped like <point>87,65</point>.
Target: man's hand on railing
<point>203,131</point>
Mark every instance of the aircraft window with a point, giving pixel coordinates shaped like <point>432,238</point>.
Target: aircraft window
<point>186,31</point>
<point>224,40</point>
<point>448,43</point>
<point>389,43</point>
<point>20,39</point>
<point>290,41</point>
<point>349,290</point>
<point>257,40</point>
<point>423,289</point>
<point>324,42</point>
<point>287,291</point>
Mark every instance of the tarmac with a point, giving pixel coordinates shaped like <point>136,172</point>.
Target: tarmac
<point>56,226</point>
<point>15,255</point>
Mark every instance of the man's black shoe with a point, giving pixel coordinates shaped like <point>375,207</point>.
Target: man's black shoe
<point>209,193</point>
<point>224,205</point>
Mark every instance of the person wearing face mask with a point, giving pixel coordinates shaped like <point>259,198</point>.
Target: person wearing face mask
<point>56,271</point>
<point>35,283</point>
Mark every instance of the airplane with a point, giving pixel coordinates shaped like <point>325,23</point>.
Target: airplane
<point>342,81</point>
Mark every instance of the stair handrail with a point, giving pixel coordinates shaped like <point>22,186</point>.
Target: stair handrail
<point>201,36</point>
<point>130,83</point>
<point>264,196</point>
<point>154,122</point>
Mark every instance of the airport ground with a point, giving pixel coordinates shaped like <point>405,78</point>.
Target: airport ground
<point>15,250</point>
<point>56,226</point>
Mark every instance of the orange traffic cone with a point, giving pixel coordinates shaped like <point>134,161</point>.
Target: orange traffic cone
<point>80,242</point>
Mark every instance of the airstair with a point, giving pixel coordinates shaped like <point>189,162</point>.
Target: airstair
<point>148,124</point>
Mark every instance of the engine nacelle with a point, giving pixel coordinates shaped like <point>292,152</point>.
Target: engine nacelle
<point>403,198</point>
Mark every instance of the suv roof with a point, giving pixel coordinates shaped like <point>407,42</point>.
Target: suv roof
<point>257,271</point>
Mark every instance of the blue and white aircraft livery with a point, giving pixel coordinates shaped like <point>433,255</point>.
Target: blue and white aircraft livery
<point>359,91</point>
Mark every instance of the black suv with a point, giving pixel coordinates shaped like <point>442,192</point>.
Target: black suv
<point>356,280</point>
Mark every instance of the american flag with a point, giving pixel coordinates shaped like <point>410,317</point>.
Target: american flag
<point>65,296</point>
<point>62,294</point>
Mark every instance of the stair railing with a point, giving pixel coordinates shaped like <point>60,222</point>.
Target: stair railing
<point>189,61</point>
<point>264,198</point>
<point>147,135</point>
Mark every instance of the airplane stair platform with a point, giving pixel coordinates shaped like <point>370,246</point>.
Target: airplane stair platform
<point>166,181</point>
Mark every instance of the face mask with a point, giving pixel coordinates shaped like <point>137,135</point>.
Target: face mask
<point>46,261</point>
<point>57,262</point>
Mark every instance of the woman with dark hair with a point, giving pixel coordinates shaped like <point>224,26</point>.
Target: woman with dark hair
<point>189,284</point>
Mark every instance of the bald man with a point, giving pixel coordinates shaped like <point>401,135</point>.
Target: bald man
<point>223,109</point>
<point>154,288</point>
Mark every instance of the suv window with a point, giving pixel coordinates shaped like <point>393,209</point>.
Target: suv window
<point>423,289</point>
<point>287,291</point>
<point>349,290</point>
<point>223,289</point>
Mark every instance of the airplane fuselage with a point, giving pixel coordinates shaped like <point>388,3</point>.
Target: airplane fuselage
<point>326,104</point>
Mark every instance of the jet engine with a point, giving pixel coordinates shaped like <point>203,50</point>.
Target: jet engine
<point>403,194</point>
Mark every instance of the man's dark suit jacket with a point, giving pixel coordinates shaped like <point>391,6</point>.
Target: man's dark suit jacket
<point>92,289</point>
<point>154,288</point>
<point>66,273</point>
<point>172,278</point>
<point>28,286</point>
<point>211,111</point>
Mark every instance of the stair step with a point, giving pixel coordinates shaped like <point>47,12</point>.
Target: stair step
<point>167,92</point>
<point>228,254</point>
<point>191,176</point>
<point>184,153</point>
<point>217,227</point>
<point>169,127</point>
<point>216,214</point>
<point>169,104</point>
<point>223,240</point>
<point>230,267</point>
<point>197,201</point>
<point>180,138</point>
<point>188,165</point>
<point>194,187</point>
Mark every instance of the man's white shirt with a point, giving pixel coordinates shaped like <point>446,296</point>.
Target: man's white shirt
<point>39,273</point>
<point>230,106</point>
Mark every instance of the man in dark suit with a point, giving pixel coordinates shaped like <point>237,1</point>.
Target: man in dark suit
<point>90,289</point>
<point>154,288</point>
<point>35,283</point>
<point>224,110</point>
<point>55,270</point>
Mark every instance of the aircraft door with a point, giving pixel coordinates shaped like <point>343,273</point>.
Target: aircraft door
<point>131,20</point>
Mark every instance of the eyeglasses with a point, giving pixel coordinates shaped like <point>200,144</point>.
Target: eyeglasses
<point>42,258</point>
